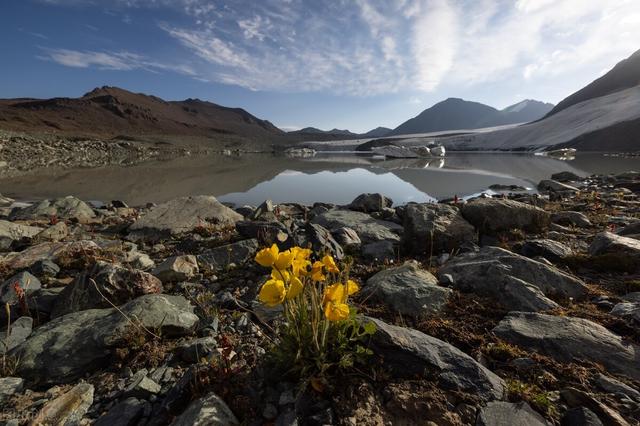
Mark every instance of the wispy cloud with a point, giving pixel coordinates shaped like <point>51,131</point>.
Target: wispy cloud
<point>119,61</point>
<point>369,47</point>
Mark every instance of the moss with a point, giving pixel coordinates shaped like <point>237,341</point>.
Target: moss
<point>537,398</point>
<point>502,351</point>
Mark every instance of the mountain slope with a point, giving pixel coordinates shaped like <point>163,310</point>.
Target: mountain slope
<point>458,114</point>
<point>624,75</point>
<point>378,132</point>
<point>111,112</point>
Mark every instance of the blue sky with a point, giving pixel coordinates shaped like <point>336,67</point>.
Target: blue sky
<point>353,64</point>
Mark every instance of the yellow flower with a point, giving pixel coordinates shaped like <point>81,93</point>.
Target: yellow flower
<point>272,292</point>
<point>334,294</point>
<point>336,311</point>
<point>352,287</point>
<point>299,267</point>
<point>316,271</point>
<point>300,253</point>
<point>330,264</point>
<point>284,260</point>
<point>281,275</point>
<point>267,256</point>
<point>295,287</point>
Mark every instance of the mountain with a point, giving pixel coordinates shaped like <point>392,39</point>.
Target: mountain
<point>378,132</point>
<point>455,113</point>
<point>603,116</point>
<point>624,75</point>
<point>114,112</point>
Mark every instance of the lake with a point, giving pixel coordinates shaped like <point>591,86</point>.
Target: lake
<point>334,178</point>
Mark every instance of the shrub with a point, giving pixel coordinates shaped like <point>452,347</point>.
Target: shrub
<point>321,334</point>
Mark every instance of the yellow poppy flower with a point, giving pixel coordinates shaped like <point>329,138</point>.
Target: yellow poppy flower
<point>272,292</point>
<point>336,311</point>
<point>352,287</point>
<point>279,274</point>
<point>330,264</point>
<point>284,260</point>
<point>334,294</point>
<point>300,253</point>
<point>267,256</point>
<point>316,271</point>
<point>295,287</point>
<point>300,267</point>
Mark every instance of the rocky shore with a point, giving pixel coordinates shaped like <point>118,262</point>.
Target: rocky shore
<point>516,310</point>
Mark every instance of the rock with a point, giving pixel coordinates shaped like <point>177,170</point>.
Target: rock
<point>576,398</point>
<point>565,177</point>
<point>18,333</point>
<point>380,251</point>
<point>125,413</point>
<point>10,231</point>
<point>117,284</point>
<point>501,187</point>
<point>44,300</point>
<point>139,260</point>
<point>555,186</point>
<point>48,251</point>
<point>627,310</point>
<point>568,339</point>
<point>27,283</point>
<point>580,416</point>
<point>408,289</point>
<point>394,151</point>
<point>45,269</point>
<point>496,215</point>
<point>369,203</point>
<point>517,282</point>
<point>221,257</point>
<point>567,218</point>
<point>631,297</point>
<point>182,215</point>
<point>265,232</point>
<point>369,230</point>
<point>51,355</point>
<point>319,239</point>
<point>551,250</point>
<point>141,386</point>
<point>245,211</point>
<point>54,233</point>
<point>264,208</point>
<point>616,245</point>
<point>410,353</point>
<point>500,413</point>
<point>631,229</point>
<point>10,386</point>
<point>611,385</point>
<point>60,208</point>
<point>194,350</point>
<point>347,237</point>
<point>209,410</point>
<point>67,409</point>
<point>177,268</point>
<point>435,228</point>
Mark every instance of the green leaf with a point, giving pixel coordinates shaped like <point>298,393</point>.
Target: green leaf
<point>369,328</point>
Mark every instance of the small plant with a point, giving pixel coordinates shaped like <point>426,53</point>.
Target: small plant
<point>541,400</point>
<point>321,334</point>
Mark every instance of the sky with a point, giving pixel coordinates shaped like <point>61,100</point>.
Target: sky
<point>354,64</point>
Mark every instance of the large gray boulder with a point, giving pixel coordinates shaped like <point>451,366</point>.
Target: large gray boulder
<point>369,203</point>
<point>47,251</point>
<point>114,283</point>
<point>184,215</point>
<point>568,339</point>
<point>551,250</point>
<point>567,218</point>
<point>613,244</point>
<point>410,353</point>
<point>435,228</point>
<point>70,346</point>
<point>369,230</point>
<point>627,310</point>
<point>408,289</point>
<point>61,208</point>
<point>515,281</point>
<point>237,253</point>
<point>210,410</point>
<point>492,215</point>
<point>317,238</point>
<point>24,280</point>
<point>19,332</point>
<point>500,413</point>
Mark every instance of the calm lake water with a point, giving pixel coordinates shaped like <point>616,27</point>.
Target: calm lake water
<point>335,178</point>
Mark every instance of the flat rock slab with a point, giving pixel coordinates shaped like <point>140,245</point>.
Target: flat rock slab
<point>408,289</point>
<point>47,251</point>
<point>609,243</point>
<point>435,228</point>
<point>60,208</point>
<point>67,347</point>
<point>568,339</point>
<point>68,408</point>
<point>517,282</point>
<point>177,268</point>
<point>221,257</point>
<point>499,413</point>
<point>369,230</point>
<point>409,353</point>
<point>567,218</point>
<point>184,215</point>
<point>15,231</point>
<point>496,215</point>
<point>209,410</point>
